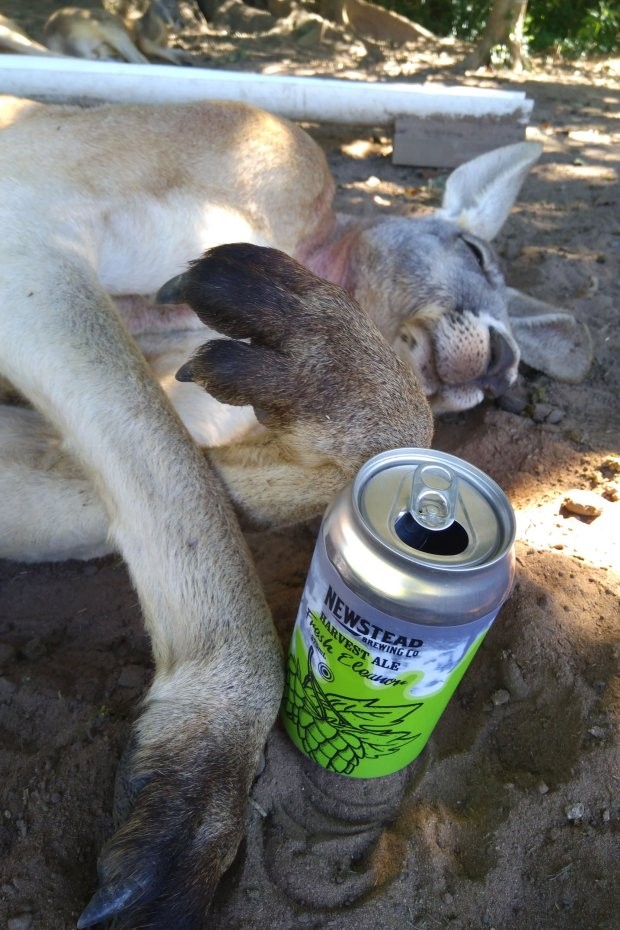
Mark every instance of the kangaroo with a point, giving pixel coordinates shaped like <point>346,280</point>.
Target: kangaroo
<point>113,202</point>
<point>133,36</point>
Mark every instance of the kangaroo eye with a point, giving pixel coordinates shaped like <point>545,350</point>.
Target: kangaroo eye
<point>477,252</point>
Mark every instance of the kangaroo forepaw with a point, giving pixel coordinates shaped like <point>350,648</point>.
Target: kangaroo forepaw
<point>314,361</point>
<point>186,800</point>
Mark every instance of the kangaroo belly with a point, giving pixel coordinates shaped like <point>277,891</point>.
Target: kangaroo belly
<point>144,244</point>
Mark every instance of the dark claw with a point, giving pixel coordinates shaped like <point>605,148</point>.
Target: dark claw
<point>237,373</point>
<point>172,291</point>
<point>109,901</point>
<point>185,372</point>
<point>182,803</point>
<point>245,291</point>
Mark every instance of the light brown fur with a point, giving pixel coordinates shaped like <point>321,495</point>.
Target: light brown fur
<point>129,35</point>
<point>110,203</point>
<point>116,450</point>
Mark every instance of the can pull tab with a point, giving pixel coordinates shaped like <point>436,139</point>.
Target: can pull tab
<point>434,496</point>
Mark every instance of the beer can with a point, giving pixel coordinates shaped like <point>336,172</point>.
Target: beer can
<point>412,563</point>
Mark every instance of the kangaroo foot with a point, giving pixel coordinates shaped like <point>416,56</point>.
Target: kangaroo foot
<point>181,793</point>
<point>315,368</point>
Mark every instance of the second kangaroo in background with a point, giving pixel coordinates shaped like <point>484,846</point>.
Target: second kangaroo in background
<point>127,33</point>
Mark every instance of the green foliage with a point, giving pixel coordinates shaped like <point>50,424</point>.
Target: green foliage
<point>600,28</point>
<point>584,26</point>
<point>579,27</point>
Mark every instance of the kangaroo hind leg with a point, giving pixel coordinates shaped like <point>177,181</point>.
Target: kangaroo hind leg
<point>218,673</point>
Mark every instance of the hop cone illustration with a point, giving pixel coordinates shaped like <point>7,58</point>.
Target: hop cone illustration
<point>337,731</point>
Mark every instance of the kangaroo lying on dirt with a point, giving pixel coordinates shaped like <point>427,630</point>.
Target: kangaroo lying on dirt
<point>100,34</point>
<point>113,201</point>
<point>128,33</point>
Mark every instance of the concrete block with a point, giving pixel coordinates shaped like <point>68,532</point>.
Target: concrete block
<point>444,141</point>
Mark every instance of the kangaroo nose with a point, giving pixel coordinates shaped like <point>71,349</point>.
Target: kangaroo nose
<point>503,363</point>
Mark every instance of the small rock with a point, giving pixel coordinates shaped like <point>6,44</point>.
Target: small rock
<point>555,416</point>
<point>500,697</point>
<point>547,413</point>
<point>606,815</point>
<point>542,787</point>
<point>611,464</point>
<point>540,412</point>
<point>598,732</point>
<point>513,678</point>
<point>515,400</point>
<point>19,922</point>
<point>575,811</point>
<point>583,503</point>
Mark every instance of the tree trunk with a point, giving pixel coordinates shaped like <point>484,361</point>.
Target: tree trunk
<point>504,26</point>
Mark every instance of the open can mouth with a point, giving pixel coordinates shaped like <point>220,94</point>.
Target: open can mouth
<point>434,507</point>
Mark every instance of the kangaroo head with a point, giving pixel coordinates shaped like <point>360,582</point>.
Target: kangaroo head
<point>166,13</point>
<point>444,307</point>
<point>434,286</point>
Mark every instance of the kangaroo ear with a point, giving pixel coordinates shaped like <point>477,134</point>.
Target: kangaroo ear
<point>550,340</point>
<point>480,194</point>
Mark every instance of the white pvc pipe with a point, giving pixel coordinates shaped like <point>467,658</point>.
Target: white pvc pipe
<point>300,98</point>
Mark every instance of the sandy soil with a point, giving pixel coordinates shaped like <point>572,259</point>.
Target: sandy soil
<point>510,819</point>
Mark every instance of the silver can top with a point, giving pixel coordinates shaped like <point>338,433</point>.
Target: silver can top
<point>468,518</point>
<point>424,534</point>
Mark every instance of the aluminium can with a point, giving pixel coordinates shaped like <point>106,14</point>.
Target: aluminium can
<point>412,563</point>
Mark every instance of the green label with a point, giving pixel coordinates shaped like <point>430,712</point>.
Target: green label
<point>364,689</point>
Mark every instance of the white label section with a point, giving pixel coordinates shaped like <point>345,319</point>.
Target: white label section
<point>433,652</point>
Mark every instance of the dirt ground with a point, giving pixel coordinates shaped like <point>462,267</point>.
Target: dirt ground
<point>510,819</point>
